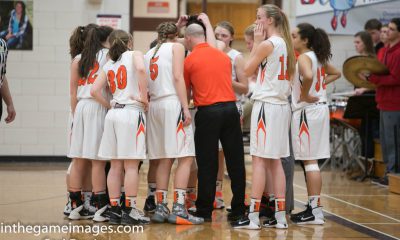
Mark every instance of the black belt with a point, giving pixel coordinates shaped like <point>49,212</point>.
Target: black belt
<point>218,104</point>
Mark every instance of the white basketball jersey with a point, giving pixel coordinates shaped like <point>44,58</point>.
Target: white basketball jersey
<point>273,84</point>
<point>232,54</point>
<point>85,84</point>
<point>122,81</point>
<point>159,70</point>
<point>318,87</point>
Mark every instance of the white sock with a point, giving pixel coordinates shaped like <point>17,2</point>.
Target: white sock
<point>179,196</point>
<point>314,201</point>
<point>130,202</point>
<point>254,205</point>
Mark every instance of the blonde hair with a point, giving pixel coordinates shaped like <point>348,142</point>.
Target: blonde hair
<point>282,23</point>
<point>166,31</point>
<point>250,31</point>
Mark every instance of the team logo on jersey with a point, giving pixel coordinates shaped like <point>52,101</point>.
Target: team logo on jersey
<point>180,130</point>
<point>304,128</point>
<point>261,124</point>
<point>263,65</point>
<point>141,129</point>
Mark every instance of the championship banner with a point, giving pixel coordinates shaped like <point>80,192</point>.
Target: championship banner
<point>345,17</point>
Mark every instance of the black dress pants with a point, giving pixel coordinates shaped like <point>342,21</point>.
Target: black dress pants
<point>220,121</point>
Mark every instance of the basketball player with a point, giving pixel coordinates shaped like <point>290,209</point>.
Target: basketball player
<point>224,32</point>
<point>169,134</point>
<point>88,119</point>
<point>310,120</point>
<point>124,136</point>
<point>76,43</point>
<point>273,54</point>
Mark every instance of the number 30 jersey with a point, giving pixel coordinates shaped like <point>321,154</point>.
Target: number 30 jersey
<point>272,83</point>
<point>85,84</point>
<point>121,78</point>
<point>159,69</point>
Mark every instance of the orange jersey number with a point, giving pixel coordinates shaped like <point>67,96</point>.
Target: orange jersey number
<point>154,68</point>
<point>121,78</point>
<point>92,76</point>
<point>284,73</point>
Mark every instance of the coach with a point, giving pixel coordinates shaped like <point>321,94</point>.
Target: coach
<point>4,90</point>
<point>208,75</point>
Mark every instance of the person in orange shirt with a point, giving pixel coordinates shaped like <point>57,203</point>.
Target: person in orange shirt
<point>217,118</point>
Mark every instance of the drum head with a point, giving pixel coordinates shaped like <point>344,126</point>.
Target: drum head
<point>362,64</point>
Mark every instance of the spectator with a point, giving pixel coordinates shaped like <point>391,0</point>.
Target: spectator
<point>363,44</point>
<point>388,99</point>
<point>373,27</point>
<point>384,40</point>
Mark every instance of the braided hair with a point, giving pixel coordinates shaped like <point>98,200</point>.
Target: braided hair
<point>166,31</point>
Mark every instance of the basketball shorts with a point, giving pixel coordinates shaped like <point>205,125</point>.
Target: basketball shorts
<point>124,134</point>
<point>310,133</point>
<point>166,135</point>
<point>87,129</point>
<point>269,133</point>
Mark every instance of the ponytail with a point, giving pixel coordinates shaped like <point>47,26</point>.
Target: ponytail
<point>282,23</point>
<point>76,41</point>
<point>291,61</point>
<point>93,43</point>
<point>318,41</point>
<point>119,40</point>
<point>321,46</point>
<point>91,46</point>
<point>166,31</point>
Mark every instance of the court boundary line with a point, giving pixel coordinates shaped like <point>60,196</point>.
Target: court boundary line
<point>358,227</point>
<point>352,204</point>
<point>343,221</point>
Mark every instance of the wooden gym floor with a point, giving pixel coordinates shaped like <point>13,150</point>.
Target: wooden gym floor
<point>34,194</point>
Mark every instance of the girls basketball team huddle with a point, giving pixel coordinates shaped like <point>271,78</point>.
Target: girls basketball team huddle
<point>128,107</point>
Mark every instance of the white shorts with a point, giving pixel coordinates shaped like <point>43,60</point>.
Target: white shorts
<point>269,132</point>
<point>69,132</point>
<point>310,133</point>
<point>166,136</point>
<point>87,128</point>
<point>124,134</point>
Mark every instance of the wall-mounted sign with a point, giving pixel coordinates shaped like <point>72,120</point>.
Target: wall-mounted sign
<point>158,7</point>
<point>113,21</point>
